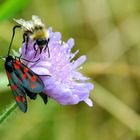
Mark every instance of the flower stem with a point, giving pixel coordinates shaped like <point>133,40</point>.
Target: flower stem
<point>8,111</point>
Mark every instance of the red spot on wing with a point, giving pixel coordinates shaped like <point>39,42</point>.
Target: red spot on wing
<point>33,86</point>
<point>23,99</point>
<point>18,62</point>
<point>8,74</point>
<point>16,66</point>
<point>33,78</point>
<point>24,76</point>
<point>25,70</point>
<point>13,87</point>
<point>18,99</point>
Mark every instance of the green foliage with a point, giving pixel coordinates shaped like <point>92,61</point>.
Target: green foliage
<point>11,7</point>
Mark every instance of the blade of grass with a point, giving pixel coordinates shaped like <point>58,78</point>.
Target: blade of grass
<point>116,107</point>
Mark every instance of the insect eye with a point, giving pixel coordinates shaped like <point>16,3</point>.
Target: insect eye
<point>38,28</point>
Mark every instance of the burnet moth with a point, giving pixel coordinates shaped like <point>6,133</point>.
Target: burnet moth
<point>22,80</point>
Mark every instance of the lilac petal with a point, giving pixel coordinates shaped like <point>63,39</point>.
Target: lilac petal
<point>90,86</point>
<point>50,29</point>
<point>70,43</point>
<point>68,46</point>
<point>79,76</point>
<point>40,71</point>
<point>73,99</point>
<point>60,93</point>
<point>79,86</point>
<point>63,96</point>
<point>41,64</point>
<point>79,61</point>
<point>55,36</point>
<point>89,102</point>
<point>29,53</point>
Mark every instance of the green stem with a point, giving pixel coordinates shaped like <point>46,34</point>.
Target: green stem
<point>8,111</point>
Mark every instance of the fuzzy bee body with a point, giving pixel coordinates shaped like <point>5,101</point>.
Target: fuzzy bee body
<point>35,30</point>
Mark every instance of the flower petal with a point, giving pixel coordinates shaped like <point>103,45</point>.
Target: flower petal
<point>79,61</point>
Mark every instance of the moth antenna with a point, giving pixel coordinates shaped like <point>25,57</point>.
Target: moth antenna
<point>14,28</point>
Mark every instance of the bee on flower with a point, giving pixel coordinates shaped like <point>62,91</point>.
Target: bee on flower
<point>34,30</point>
<point>66,85</point>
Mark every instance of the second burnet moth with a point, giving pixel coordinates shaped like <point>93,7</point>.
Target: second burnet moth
<point>23,81</point>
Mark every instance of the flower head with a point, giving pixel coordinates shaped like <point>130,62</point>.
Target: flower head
<point>66,85</point>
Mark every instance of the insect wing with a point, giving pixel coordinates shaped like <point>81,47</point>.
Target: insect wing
<point>32,95</point>
<point>37,21</point>
<point>26,25</point>
<point>29,25</point>
<point>29,79</point>
<point>44,97</point>
<point>18,91</point>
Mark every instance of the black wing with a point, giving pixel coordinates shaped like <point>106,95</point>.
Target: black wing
<point>28,78</point>
<point>18,91</point>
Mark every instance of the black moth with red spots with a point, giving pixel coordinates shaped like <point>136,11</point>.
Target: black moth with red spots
<point>23,81</point>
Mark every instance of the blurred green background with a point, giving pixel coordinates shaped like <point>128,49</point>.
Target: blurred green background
<point>108,32</point>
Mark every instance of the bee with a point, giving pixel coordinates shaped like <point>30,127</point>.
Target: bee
<point>34,30</point>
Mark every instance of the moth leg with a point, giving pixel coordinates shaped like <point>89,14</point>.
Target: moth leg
<point>19,58</point>
<point>30,61</point>
<point>43,75</point>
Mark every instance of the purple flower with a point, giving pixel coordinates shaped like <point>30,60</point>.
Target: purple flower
<point>66,85</point>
